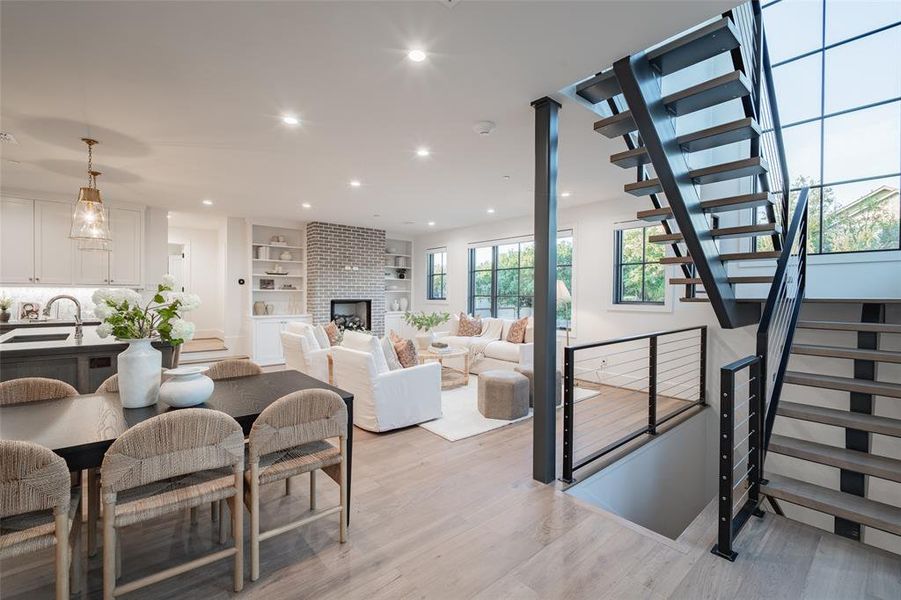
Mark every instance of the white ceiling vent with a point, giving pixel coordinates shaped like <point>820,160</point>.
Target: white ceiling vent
<point>8,138</point>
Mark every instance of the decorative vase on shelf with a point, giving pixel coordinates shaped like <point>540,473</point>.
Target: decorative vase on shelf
<point>4,316</point>
<point>286,255</point>
<point>139,374</point>
<point>186,386</point>
<point>395,306</point>
<point>403,303</point>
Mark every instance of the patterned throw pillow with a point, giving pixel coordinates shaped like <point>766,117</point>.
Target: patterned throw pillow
<point>517,333</point>
<point>469,326</point>
<point>406,353</point>
<point>331,330</point>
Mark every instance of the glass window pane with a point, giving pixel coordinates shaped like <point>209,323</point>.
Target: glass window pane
<point>802,153</point>
<point>526,282</point>
<point>630,290</point>
<point>508,282</point>
<point>565,274</point>
<point>482,302</point>
<point>565,251</point>
<point>864,143</point>
<point>856,76</point>
<point>527,254</point>
<point>507,308</point>
<point>798,86</point>
<point>482,312</point>
<point>793,27</point>
<point>654,283</point>
<point>525,306</point>
<point>861,216</point>
<point>482,283</point>
<point>654,252</point>
<point>508,256</point>
<point>439,262</point>
<point>483,258</point>
<point>813,219</point>
<point>632,240</point>
<point>845,19</point>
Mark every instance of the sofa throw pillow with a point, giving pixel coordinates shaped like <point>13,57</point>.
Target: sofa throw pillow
<point>517,333</point>
<point>390,354</point>
<point>394,337</point>
<point>406,353</point>
<point>321,337</point>
<point>331,330</point>
<point>469,326</point>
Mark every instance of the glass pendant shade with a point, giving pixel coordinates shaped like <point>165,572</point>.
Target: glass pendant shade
<point>89,226</point>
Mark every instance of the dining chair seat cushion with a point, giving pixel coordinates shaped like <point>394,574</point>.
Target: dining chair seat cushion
<point>21,534</point>
<point>295,461</point>
<point>171,495</point>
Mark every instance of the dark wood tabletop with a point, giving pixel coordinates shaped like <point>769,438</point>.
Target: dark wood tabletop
<point>80,429</point>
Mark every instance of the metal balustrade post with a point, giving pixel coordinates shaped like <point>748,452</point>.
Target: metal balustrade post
<point>702,384</point>
<point>652,385</point>
<point>568,401</point>
<point>756,408</point>
<point>723,545</point>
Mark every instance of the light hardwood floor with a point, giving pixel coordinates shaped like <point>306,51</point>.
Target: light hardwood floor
<point>435,519</point>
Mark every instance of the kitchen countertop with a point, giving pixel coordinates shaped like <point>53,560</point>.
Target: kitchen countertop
<point>91,342</point>
<point>10,325</point>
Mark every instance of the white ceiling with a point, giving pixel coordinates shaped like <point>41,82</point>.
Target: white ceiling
<point>185,98</point>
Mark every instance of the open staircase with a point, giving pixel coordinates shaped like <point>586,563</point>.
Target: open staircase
<point>708,233</point>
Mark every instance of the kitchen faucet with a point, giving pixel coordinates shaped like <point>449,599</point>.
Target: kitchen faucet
<point>78,332</point>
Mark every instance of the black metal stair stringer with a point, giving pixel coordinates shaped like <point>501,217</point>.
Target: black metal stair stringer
<point>641,90</point>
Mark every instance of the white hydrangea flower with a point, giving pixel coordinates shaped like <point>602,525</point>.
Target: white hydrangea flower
<point>168,281</point>
<point>104,329</point>
<point>181,329</point>
<point>103,311</point>
<point>100,296</point>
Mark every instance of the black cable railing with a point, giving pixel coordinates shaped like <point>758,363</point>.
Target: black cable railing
<point>666,365</point>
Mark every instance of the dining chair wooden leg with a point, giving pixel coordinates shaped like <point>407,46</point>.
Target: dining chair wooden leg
<point>109,551</point>
<point>62,555</point>
<point>238,527</point>
<point>313,489</point>
<point>76,560</point>
<point>118,556</point>
<point>254,522</point>
<point>343,485</point>
<point>223,522</point>
<point>288,486</point>
<point>93,509</point>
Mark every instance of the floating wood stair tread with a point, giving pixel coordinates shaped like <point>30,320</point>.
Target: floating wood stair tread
<point>840,418</point>
<point>723,233</point>
<point>842,458</point>
<point>656,214</point>
<point>695,299</point>
<point>737,280</point>
<point>851,326</point>
<point>676,260</point>
<point>745,167</point>
<point>599,88</point>
<point>719,135</point>
<point>697,97</point>
<point>738,202</point>
<point>695,46</point>
<point>728,133</point>
<point>665,238</point>
<point>852,353</point>
<point>762,255</point>
<point>847,506</point>
<point>845,384</point>
<point>643,188</point>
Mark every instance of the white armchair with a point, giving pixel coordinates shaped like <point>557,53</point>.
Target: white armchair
<point>383,399</point>
<point>302,353</point>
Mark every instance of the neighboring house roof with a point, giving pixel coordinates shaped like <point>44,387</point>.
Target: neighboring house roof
<point>872,200</point>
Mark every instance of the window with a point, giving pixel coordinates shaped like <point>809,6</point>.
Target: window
<point>640,279</point>
<point>502,278</point>
<point>837,71</point>
<point>437,276</point>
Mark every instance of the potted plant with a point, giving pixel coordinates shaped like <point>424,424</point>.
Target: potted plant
<point>425,322</point>
<point>126,316</point>
<point>5,303</point>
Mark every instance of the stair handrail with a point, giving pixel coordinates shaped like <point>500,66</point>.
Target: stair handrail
<point>776,330</point>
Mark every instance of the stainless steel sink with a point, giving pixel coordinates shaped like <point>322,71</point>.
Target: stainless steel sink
<point>38,337</point>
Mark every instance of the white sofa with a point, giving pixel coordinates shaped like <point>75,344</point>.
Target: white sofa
<point>385,399</point>
<point>303,351</point>
<point>490,350</point>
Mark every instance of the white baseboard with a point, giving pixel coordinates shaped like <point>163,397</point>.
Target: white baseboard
<point>209,333</point>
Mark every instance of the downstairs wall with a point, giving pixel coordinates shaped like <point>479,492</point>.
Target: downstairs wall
<point>205,277</point>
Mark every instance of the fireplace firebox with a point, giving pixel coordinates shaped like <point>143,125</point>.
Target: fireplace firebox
<point>355,315</point>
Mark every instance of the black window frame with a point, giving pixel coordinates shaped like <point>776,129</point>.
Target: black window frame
<point>618,265</point>
<point>431,275</point>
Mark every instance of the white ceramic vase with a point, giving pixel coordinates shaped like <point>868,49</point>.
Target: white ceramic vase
<point>186,386</point>
<point>139,374</point>
<point>424,340</point>
<point>403,303</point>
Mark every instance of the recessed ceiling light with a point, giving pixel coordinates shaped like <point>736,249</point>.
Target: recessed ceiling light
<point>422,152</point>
<point>207,202</point>
<point>168,215</point>
<point>307,205</point>
<point>355,183</point>
<point>490,211</point>
<point>416,55</point>
<point>506,177</point>
<point>290,120</point>
<point>431,223</point>
<point>566,194</point>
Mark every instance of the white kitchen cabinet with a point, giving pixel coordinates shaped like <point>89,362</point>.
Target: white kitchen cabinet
<point>92,267</point>
<point>53,250</point>
<point>267,340</point>
<point>16,241</point>
<point>126,231</point>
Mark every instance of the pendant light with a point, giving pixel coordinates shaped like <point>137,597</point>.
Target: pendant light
<point>89,226</point>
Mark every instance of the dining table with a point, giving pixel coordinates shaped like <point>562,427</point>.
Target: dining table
<point>80,429</point>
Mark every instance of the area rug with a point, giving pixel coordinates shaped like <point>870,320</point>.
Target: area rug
<point>461,417</point>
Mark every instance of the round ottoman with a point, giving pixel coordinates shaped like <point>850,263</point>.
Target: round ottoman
<point>528,372</point>
<point>503,395</point>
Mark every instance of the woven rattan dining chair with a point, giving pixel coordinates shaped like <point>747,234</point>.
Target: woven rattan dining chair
<point>39,508</point>
<point>288,439</point>
<point>176,460</point>
<point>32,389</point>
<point>227,369</point>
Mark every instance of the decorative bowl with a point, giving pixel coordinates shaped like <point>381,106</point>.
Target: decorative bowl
<point>186,386</point>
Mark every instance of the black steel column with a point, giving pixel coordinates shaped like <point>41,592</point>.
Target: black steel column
<point>853,482</point>
<point>652,385</point>
<point>544,423</point>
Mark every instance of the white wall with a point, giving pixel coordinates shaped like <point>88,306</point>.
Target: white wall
<point>203,253</point>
